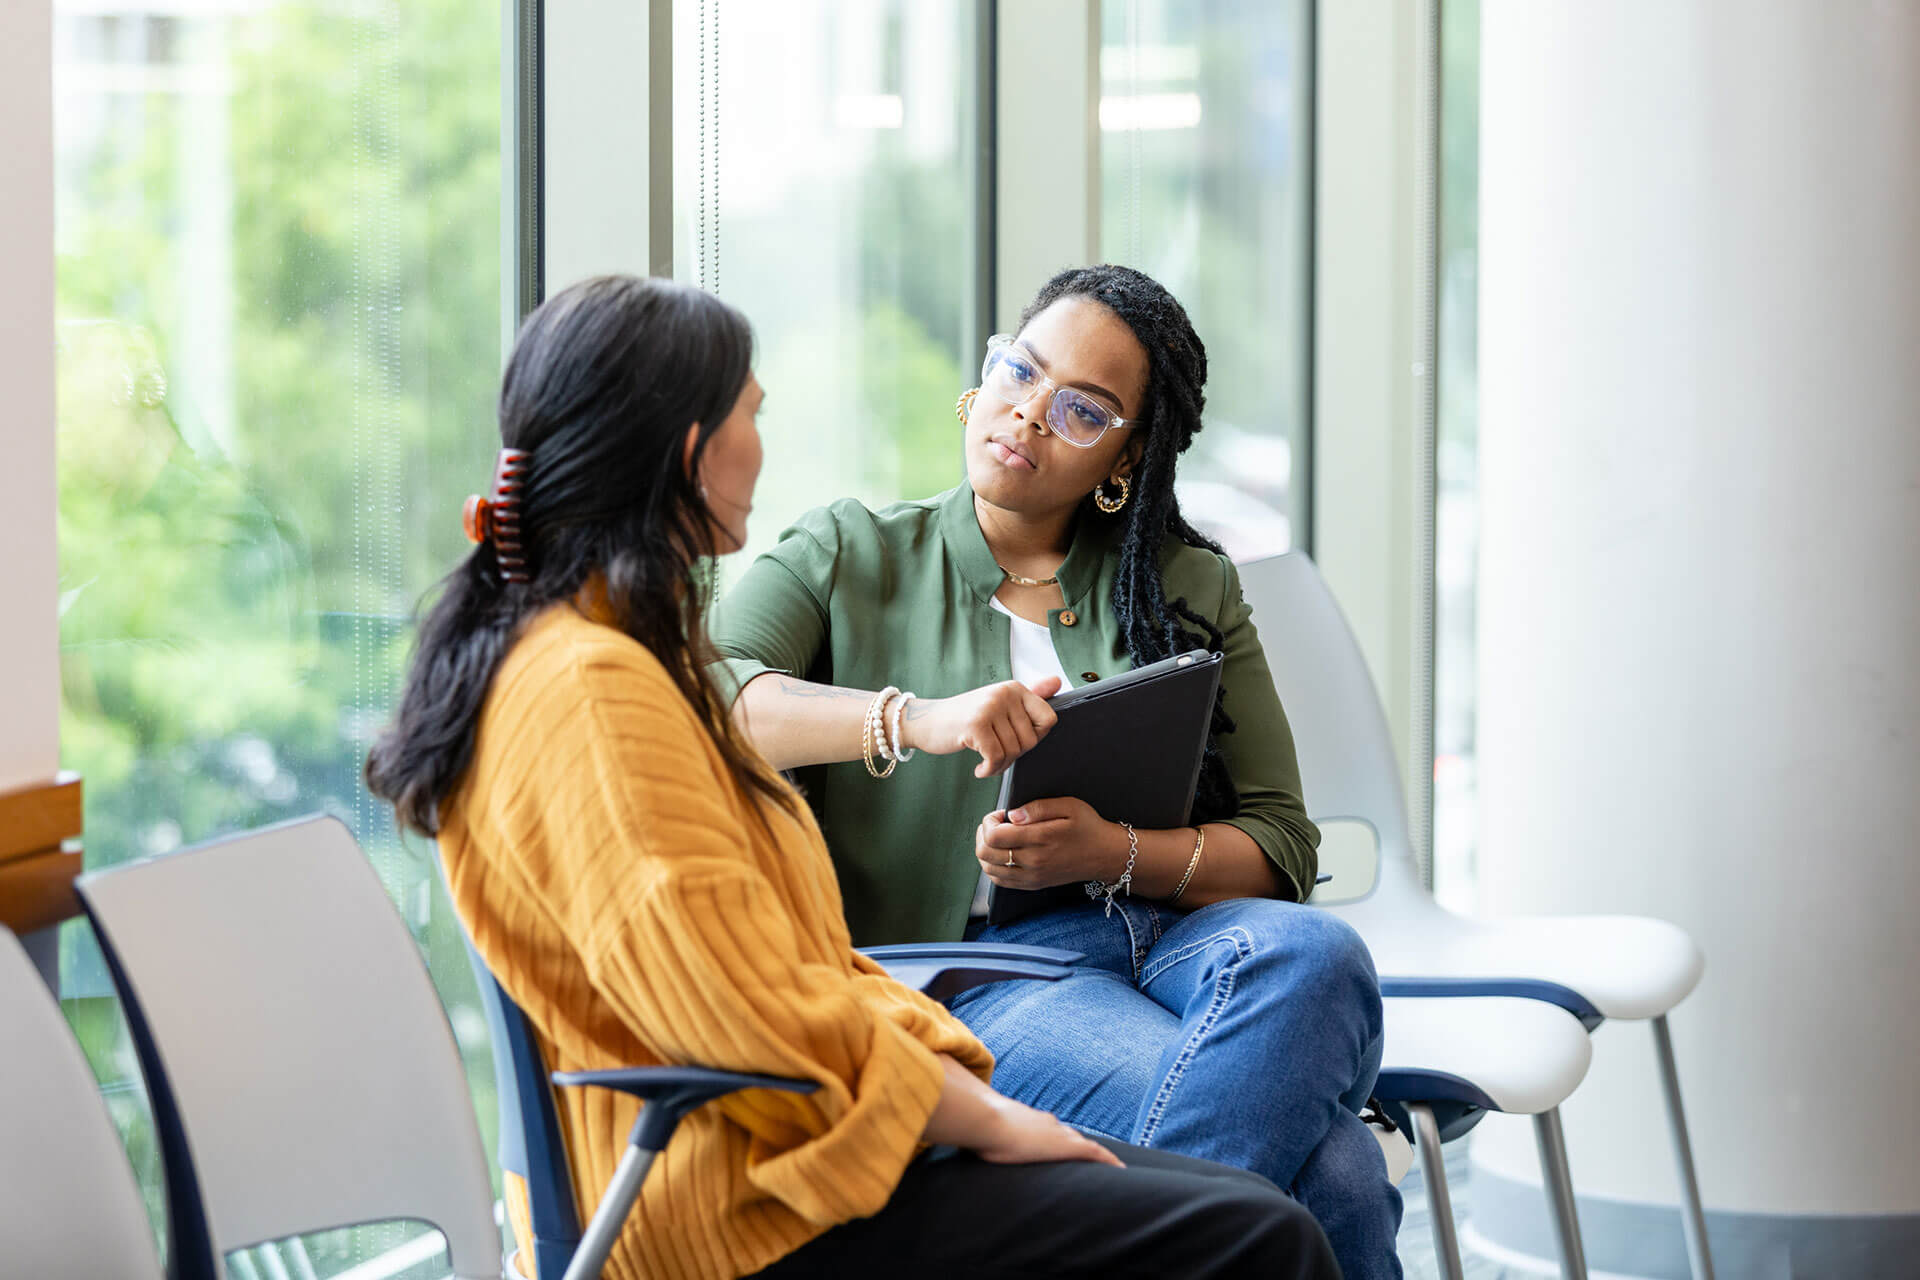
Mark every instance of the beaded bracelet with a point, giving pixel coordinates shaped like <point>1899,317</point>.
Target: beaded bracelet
<point>1097,890</point>
<point>885,751</point>
<point>899,709</point>
<point>873,734</point>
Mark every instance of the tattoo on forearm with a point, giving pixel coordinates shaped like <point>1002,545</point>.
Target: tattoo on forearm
<point>802,689</point>
<point>917,708</point>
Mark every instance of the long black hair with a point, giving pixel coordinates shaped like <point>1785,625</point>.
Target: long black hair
<point>1156,627</point>
<point>604,382</point>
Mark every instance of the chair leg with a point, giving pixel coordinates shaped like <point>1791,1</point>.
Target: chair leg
<point>1559,1179</point>
<point>302,1264</point>
<point>271,1262</point>
<point>1433,1171</point>
<point>1693,1219</point>
<point>596,1242</point>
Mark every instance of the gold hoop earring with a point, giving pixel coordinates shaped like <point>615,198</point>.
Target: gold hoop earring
<point>964,405</point>
<point>1112,505</point>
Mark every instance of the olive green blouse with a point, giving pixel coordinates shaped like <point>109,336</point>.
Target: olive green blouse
<point>866,599</point>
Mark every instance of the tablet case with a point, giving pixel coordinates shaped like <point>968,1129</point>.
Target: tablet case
<point>1130,746</point>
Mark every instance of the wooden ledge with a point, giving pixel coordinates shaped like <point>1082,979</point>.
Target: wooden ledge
<point>37,862</point>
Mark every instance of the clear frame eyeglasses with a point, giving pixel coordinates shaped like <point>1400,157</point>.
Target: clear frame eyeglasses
<point>1011,373</point>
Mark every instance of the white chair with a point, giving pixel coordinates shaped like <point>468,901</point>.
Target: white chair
<point>1448,1062</point>
<point>70,1206</point>
<point>1594,967</point>
<point>302,1073</point>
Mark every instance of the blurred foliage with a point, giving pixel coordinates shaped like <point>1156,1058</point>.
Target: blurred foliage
<point>244,530</point>
<point>277,349</point>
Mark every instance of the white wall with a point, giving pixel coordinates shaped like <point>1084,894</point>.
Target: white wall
<point>29,629</point>
<point>1700,573</point>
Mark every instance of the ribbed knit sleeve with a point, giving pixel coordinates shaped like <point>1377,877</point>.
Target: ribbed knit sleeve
<point>704,965</point>
<point>926,1020</point>
<point>688,939</point>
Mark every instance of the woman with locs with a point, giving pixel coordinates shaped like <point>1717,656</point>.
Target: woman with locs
<point>649,890</point>
<point>1214,1015</point>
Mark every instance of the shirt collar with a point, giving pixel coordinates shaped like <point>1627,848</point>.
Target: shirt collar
<point>960,527</point>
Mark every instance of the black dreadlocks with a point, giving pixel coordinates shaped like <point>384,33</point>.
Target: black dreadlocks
<point>1176,393</point>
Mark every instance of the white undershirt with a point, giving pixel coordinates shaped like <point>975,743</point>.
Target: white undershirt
<point>1034,659</point>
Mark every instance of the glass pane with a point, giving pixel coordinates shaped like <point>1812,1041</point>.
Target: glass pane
<point>1205,179</point>
<point>1456,515</point>
<point>278,240</point>
<point>823,185</point>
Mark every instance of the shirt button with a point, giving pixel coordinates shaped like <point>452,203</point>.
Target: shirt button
<point>1068,617</point>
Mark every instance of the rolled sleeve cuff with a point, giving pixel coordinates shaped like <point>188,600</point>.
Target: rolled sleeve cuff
<point>731,675</point>
<point>925,1019</point>
<point>851,1170</point>
<point>1282,850</point>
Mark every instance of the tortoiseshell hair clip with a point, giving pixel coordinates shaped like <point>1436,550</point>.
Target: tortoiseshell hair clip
<point>496,519</point>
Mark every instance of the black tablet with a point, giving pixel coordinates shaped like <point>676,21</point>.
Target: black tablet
<point>1130,746</point>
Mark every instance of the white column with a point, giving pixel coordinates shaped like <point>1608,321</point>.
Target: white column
<point>29,559</point>
<point>607,169</point>
<point>1700,582</point>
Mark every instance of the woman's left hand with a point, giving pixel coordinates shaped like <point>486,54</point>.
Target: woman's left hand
<point>1048,842</point>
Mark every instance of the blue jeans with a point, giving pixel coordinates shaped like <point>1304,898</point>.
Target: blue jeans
<point>1247,1032</point>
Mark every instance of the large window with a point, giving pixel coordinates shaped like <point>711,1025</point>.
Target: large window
<point>279,245</point>
<point>278,241</point>
<point>825,186</point>
<point>1205,120</point>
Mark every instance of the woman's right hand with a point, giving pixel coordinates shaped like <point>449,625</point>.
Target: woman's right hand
<point>1022,1135</point>
<point>1000,721</point>
<point>971,1116</point>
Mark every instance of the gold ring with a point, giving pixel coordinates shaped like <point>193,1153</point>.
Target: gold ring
<point>1010,861</point>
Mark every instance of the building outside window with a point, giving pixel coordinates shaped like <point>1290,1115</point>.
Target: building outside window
<point>823,185</point>
<point>1206,185</point>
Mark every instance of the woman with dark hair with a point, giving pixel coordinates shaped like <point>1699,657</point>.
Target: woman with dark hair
<point>650,891</point>
<point>1215,1015</point>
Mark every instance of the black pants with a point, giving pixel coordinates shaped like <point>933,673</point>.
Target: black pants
<point>1164,1216</point>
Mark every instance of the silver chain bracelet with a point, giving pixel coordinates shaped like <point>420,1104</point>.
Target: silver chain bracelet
<point>1097,890</point>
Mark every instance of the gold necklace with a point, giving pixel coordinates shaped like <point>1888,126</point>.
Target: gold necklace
<point>1019,581</point>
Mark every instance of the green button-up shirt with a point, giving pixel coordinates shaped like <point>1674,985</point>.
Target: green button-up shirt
<point>867,599</point>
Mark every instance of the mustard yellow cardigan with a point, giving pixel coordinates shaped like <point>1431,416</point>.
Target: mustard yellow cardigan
<point>611,874</point>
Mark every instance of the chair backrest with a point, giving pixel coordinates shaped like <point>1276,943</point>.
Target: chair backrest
<point>531,1147</point>
<point>1348,769</point>
<point>70,1206</point>
<point>302,1072</point>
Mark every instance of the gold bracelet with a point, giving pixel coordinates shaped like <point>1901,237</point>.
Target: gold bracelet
<point>1200,842</point>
